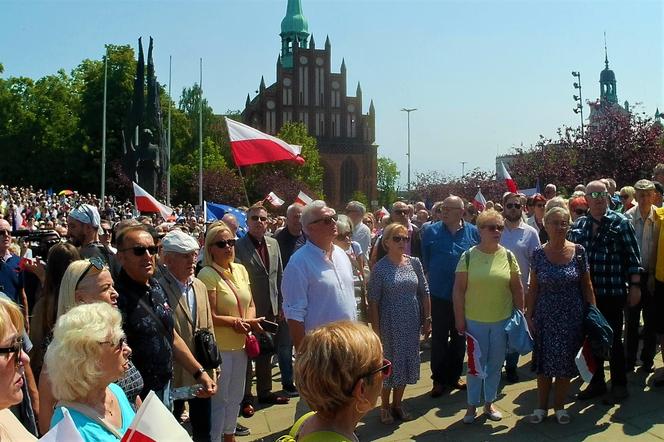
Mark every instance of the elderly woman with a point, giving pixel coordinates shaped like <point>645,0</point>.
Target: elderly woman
<point>88,353</point>
<point>339,372</point>
<point>578,207</point>
<point>487,289</point>
<point>12,363</point>
<point>399,308</point>
<point>233,316</point>
<point>627,194</point>
<point>559,288</point>
<point>86,282</point>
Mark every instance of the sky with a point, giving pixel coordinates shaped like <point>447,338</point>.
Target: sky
<point>484,76</point>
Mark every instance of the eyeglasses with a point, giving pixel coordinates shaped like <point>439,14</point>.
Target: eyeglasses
<point>624,197</point>
<point>540,205</point>
<point>95,262</point>
<point>15,349</point>
<point>385,369</point>
<point>398,239</point>
<point>580,212</point>
<point>598,195</point>
<point>256,218</point>
<point>400,211</point>
<point>223,243</point>
<point>4,232</point>
<point>559,224</point>
<point>516,206</point>
<point>116,346</point>
<point>344,236</point>
<point>140,250</point>
<point>493,227</point>
<point>327,220</point>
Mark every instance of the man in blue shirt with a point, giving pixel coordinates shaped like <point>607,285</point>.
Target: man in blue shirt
<point>442,245</point>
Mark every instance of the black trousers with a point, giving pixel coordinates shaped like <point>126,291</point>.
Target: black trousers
<point>200,414</point>
<point>447,347</point>
<point>632,320</point>
<point>612,307</point>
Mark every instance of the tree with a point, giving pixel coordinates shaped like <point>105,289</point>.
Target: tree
<point>388,174</point>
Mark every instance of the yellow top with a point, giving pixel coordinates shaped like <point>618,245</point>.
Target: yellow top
<point>659,266</point>
<point>227,338</point>
<point>488,294</point>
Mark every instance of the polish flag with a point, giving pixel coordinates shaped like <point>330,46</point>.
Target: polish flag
<point>64,431</point>
<point>511,185</point>
<point>474,354</point>
<point>383,212</point>
<point>303,198</point>
<point>274,199</point>
<point>251,146</point>
<point>147,203</point>
<point>479,201</point>
<point>585,362</point>
<point>154,423</point>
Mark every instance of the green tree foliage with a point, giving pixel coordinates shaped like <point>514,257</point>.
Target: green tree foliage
<point>388,174</point>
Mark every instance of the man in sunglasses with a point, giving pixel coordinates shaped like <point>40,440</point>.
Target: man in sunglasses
<point>522,240</point>
<point>84,231</point>
<point>615,270</point>
<point>400,214</point>
<point>261,256</point>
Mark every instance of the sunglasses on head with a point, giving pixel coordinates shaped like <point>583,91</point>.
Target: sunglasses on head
<point>493,227</point>
<point>327,220</point>
<point>140,250</point>
<point>256,218</point>
<point>14,349</point>
<point>95,262</point>
<point>385,369</point>
<point>398,239</point>
<point>516,206</point>
<point>116,345</point>
<point>223,243</point>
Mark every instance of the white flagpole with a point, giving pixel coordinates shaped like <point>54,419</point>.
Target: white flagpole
<point>103,135</point>
<point>168,174</point>
<point>200,138</point>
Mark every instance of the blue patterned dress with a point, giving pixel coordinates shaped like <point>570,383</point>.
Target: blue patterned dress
<point>558,314</point>
<point>398,291</point>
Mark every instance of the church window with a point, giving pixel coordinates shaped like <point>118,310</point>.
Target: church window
<point>349,181</point>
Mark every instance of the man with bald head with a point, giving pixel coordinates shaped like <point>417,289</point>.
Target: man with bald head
<point>615,269</point>
<point>443,242</point>
<point>401,213</point>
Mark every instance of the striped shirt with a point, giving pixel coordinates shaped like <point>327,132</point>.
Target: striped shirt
<point>613,253</point>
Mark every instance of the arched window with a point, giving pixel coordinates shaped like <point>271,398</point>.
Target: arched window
<point>348,178</point>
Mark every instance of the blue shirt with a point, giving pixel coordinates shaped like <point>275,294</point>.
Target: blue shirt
<point>90,430</point>
<point>441,251</point>
<point>11,278</point>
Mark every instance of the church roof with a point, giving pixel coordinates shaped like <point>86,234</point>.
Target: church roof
<point>294,21</point>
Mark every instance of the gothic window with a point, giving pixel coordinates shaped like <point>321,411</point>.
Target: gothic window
<point>348,179</point>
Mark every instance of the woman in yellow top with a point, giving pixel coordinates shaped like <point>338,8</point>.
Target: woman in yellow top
<point>228,285</point>
<point>487,288</point>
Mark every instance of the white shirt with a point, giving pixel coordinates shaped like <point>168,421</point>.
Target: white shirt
<point>317,290</point>
<point>522,241</point>
<point>646,233</point>
<point>187,291</point>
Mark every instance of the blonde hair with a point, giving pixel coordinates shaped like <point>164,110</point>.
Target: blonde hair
<point>554,210</point>
<point>557,201</point>
<point>13,313</point>
<point>67,293</point>
<point>488,215</point>
<point>215,229</point>
<point>389,231</point>
<point>330,360</point>
<point>73,355</point>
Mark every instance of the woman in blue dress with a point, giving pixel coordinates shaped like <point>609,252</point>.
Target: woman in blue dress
<point>399,308</point>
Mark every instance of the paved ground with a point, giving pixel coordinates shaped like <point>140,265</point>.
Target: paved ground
<point>641,417</point>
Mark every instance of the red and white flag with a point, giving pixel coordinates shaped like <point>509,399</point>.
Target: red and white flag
<point>147,203</point>
<point>479,201</point>
<point>586,362</point>
<point>474,353</point>
<point>64,431</point>
<point>303,198</point>
<point>383,212</point>
<point>274,199</point>
<point>154,423</point>
<point>251,146</point>
<point>511,184</point>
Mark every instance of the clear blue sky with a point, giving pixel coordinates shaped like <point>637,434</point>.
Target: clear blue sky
<point>484,75</point>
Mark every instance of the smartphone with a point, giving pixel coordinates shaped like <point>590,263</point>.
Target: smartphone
<point>269,326</point>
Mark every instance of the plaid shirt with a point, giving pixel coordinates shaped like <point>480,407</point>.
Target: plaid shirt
<point>613,254</point>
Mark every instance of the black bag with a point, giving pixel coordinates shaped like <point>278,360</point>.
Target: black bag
<point>206,350</point>
<point>266,343</point>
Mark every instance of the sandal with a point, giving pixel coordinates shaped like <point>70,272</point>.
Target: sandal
<point>539,414</point>
<point>401,414</point>
<point>562,416</point>
<point>386,416</point>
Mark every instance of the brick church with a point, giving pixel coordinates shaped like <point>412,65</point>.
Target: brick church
<point>307,90</point>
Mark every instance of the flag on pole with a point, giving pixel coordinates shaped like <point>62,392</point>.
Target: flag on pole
<point>214,212</point>
<point>479,201</point>
<point>303,198</point>
<point>511,185</point>
<point>147,203</point>
<point>474,354</point>
<point>274,199</point>
<point>64,431</point>
<point>585,362</point>
<point>251,146</point>
<point>154,423</point>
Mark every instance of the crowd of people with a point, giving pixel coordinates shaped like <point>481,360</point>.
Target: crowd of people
<point>110,304</point>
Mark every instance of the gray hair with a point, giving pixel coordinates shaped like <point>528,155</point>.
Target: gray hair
<point>293,207</point>
<point>308,213</point>
<point>557,201</point>
<point>357,206</point>
<point>344,225</point>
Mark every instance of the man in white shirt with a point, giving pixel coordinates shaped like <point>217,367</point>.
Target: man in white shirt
<point>355,210</point>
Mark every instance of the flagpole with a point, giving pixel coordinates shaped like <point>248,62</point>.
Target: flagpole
<point>200,137</point>
<point>168,173</point>
<point>103,134</point>
<point>243,186</point>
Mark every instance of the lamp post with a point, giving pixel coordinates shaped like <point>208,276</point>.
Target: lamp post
<point>408,111</point>
<point>578,109</point>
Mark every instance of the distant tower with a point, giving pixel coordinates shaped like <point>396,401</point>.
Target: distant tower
<point>607,81</point>
<point>294,32</point>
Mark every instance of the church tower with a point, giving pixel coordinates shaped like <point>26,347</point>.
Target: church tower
<point>607,82</point>
<point>294,32</point>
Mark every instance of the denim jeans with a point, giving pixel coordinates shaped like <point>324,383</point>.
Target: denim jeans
<point>492,341</point>
<point>285,354</point>
<point>164,396</point>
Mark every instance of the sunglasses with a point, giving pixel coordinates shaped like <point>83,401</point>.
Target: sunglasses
<point>598,195</point>
<point>256,218</point>
<point>493,227</point>
<point>140,250</point>
<point>385,369</point>
<point>516,206</point>
<point>398,239</point>
<point>624,197</point>
<point>327,220</point>
<point>223,243</point>
<point>95,262</point>
<point>116,346</point>
<point>580,212</point>
<point>15,349</point>
<point>4,232</point>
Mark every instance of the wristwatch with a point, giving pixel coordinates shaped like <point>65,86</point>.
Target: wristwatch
<point>198,373</point>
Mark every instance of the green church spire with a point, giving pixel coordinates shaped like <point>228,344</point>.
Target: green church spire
<point>294,32</point>
<point>607,80</point>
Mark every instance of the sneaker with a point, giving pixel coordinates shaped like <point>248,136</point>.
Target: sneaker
<point>511,375</point>
<point>241,430</point>
<point>291,391</point>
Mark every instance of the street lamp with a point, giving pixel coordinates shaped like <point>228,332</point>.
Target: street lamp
<point>408,111</point>
<point>578,109</point>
